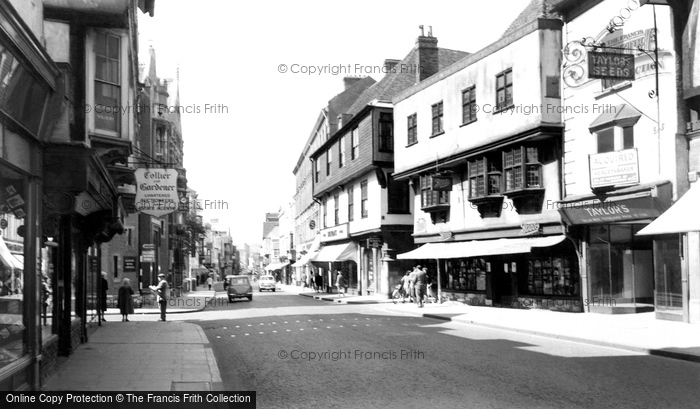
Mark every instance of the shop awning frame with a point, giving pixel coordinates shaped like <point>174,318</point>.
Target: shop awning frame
<point>679,217</point>
<point>479,248</point>
<point>337,252</point>
<point>275,266</point>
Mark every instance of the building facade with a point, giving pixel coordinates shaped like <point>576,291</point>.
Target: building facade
<point>66,68</point>
<point>625,155</point>
<point>366,214</point>
<point>480,144</point>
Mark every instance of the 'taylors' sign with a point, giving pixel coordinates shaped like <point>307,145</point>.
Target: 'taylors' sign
<point>611,66</point>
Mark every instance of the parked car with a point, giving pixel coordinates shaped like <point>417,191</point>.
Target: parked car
<point>267,283</point>
<point>239,287</point>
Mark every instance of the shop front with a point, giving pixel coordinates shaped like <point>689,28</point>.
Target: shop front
<point>338,256</point>
<point>619,266</point>
<point>516,272</point>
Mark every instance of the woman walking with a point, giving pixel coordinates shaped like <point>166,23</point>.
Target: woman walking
<point>124,300</point>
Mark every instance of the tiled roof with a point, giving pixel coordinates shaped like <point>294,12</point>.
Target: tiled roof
<point>342,102</point>
<point>395,82</point>
<point>536,9</point>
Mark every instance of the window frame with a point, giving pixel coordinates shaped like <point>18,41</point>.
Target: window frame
<point>398,203</point>
<point>363,199</point>
<point>329,160</point>
<point>430,199</point>
<point>385,142</point>
<point>351,203</point>
<point>336,208</point>
<point>96,79</point>
<point>355,143</point>
<point>468,106</point>
<point>505,87</point>
<point>438,115</point>
<point>341,151</point>
<point>412,129</point>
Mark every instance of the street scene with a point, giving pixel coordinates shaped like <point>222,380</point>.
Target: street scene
<point>306,204</point>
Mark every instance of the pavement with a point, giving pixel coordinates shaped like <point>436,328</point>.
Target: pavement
<point>144,354</point>
<point>148,355</point>
<point>641,333</point>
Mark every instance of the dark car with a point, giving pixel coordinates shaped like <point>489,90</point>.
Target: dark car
<point>239,287</point>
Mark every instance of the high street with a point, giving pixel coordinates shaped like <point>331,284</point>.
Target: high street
<point>296,351</point>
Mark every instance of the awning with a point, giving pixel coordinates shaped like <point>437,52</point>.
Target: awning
<point>305,259</point>
<point>337,252</point>
<point>275,266</point>
<point>620,115</point>
<point>476,248</point>
<point>679,218</point>
<point>8,259</point>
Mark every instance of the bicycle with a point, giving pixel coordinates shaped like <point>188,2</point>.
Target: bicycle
<point>398,293</point>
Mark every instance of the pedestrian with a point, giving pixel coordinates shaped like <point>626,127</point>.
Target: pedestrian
<point>309,282</point>
<point>45,295</point>
<point>419,285</point>
<point>161,291</point>
<point>405,283</point>
<point>303,280</point>
<point>124,299</point>
<point>210,281</point>
<point>319,281</point>
<point>104,286</point>
<point>340,283</point>
<point>411,284</point>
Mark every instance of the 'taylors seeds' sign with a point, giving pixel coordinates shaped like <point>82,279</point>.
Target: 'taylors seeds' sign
<point>611,66</point>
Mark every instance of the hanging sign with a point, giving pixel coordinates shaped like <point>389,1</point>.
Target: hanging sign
<point>156,191</point>
<point>611,66</point>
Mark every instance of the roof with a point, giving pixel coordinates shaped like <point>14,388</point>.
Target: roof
<point>536,9</point>
<point>622,115</point>
<point>398,80</point>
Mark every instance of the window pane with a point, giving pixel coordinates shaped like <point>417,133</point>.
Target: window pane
<point>509,77</point>
<point>107,101</point>
<point>628,138</point>
<point>533,176</point>
<point>606,140</point>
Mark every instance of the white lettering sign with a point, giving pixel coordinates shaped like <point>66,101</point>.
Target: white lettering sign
<point>156,191</point>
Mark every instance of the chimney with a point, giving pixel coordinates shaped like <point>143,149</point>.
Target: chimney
<point>389,65</point>
<point>426,63</point>
<point>350,81</point>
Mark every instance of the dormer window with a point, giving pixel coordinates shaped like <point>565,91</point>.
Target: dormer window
<point>614,128</point>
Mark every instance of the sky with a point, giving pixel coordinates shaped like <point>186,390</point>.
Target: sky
<point>244,122</point>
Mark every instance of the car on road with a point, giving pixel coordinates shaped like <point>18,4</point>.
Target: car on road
<point>239,287</point>
<point>267,283</point>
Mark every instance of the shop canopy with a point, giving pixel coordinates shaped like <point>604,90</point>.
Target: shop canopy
<point>680,217</point>
<point>275,266</point>
<point>8,259</point>
<point>337,252</point>
<point>305,259</point>
<point>479,248</point>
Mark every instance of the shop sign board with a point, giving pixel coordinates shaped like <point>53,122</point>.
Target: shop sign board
<point>156,191</point>
<point>618,168</point>
<point>374,242</point>
<point>148,256</point>
<point>609,211</point>
<point>614,66</point>
<point>338,232</point>
<point>441,183</point>
<point>129,264</point>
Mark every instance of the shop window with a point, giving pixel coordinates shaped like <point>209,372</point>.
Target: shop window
<point>469,107</point>
<point>504,90</point>
<point>667,264</point>
<point>552,276</point>
<point>437,118</point>
<point>386,132</point>
<point>412,129</point>
<point>467,274</point>
<point>107,82</point>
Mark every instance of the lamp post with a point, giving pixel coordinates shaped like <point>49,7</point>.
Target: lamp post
<point>386,259</point>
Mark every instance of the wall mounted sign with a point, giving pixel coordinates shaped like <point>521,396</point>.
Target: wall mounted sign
<point>335,233</point>
<point>614,168</point>
<point>156,191</point>
<point>129,264</point>
<point>610,66</point>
